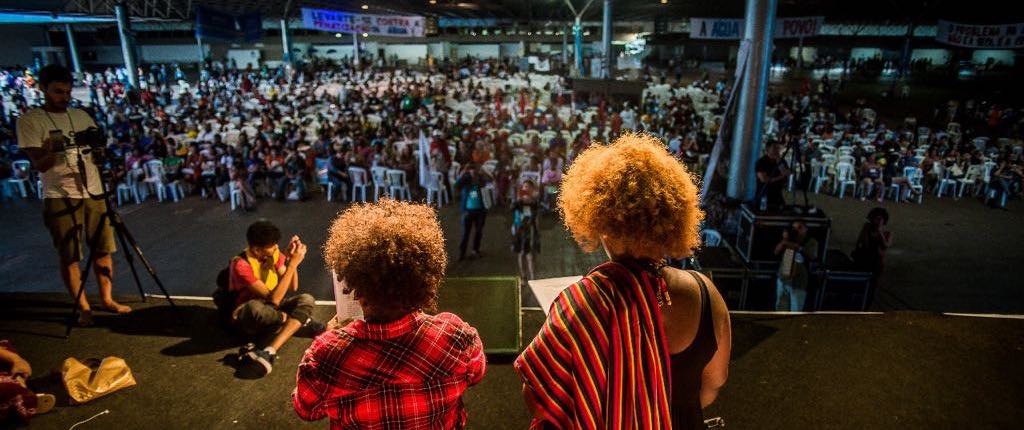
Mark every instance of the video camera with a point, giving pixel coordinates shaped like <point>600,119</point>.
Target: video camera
<point>90,141</point>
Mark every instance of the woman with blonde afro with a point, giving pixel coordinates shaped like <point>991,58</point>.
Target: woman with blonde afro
<point>634,344</point>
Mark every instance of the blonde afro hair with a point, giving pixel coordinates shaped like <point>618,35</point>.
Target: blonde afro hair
<point>389,253</point>
<point>635,194</point>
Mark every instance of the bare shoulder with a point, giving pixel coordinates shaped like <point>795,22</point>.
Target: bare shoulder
<point>684,285</point>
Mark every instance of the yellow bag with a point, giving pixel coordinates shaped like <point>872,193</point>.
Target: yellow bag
<point>84,385</point>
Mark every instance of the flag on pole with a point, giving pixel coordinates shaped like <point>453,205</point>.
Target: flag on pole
<point>424,160</point>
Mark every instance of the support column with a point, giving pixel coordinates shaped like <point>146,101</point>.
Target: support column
<point>565,46</point>
<point>202,51</point>
<point>905,58</point>
<point>355,49</point>
<point>286,45</point>
<point>606,40</point>
<point>73,47</point>
<point>124,31</point>
<point>800,55</point>
<point>577,31</point>
<point>746,142</point>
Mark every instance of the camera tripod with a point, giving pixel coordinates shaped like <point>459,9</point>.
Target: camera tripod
<point>125,237</point>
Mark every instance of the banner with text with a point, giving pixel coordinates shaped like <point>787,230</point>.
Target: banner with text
<point>1000,36</point>
<point>376,25</point>
<point>732,28</point>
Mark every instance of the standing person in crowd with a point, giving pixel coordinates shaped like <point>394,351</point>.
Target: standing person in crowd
<point>872,243</point>
<point>638,344</point>
<point>474,213</point>
<point>398,367</point>
<point>71,204</point>
<point>525,234</point>
<point>17,402</point>
<point>259,279</point>
<point>798,251</point>
<point>772,173</point>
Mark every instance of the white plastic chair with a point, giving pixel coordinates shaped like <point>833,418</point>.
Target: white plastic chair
<point>847,159</point>
<point>844,179</point>
<point>155,178</point>
<point>915,175</point>
<point>359,182</point>
<point>436,188</point>
<point>22,177</point>
<point>398,188</point>
<point>235,194</point>
<point>970,179</point>
<point>945,181</point>
<point>820,174</point>
<point>380,181</point>
<point>127,190</point>
<point>323,179</point>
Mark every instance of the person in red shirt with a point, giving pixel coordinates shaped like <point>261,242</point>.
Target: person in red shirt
<point>397,367</point>
<point>260,277</point>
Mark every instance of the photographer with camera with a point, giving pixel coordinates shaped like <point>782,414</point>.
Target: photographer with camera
<point>72,188</point>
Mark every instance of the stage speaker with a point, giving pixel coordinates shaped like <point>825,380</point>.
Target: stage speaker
<point>491,305</point>
<point>759,232</point>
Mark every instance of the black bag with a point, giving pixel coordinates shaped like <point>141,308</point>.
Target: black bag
<point>223,297</point>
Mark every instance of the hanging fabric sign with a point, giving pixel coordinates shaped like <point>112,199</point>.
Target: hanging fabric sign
<point>374,25</point>
<point>1003,36</point>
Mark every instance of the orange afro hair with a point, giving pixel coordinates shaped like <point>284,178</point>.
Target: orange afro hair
<point>389,253</point>
<point>635,194</point>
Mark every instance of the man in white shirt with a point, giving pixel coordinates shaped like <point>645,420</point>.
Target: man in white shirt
<point>628,118</point>
<point>70,204</point>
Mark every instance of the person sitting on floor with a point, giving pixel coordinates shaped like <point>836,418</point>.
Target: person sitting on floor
<point>16,400</point>
<point>398,367</point>
<point>261,277</point>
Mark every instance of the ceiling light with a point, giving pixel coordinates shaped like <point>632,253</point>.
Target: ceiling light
<point>337,35</point>
<point>664,1</point>
<point>365,7</point>
<point>433,1</point>
<point>366,35</point>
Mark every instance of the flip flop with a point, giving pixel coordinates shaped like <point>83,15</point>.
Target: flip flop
<point>45,403</point>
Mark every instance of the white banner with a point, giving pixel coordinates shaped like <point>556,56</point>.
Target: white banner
<point>376,25</point>
<point>732,28</point>
<point>804,26</point>
<point>999,36</point>
<point>716,28</point>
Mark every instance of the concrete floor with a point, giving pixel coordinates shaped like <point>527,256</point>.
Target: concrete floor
<point>956,256</point>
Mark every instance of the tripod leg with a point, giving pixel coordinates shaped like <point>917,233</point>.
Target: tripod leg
<point>126,236</point>
<point>73,320</point>
<point>119,231</point>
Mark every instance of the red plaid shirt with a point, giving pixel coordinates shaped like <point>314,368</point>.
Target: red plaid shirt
<point>406,374</point>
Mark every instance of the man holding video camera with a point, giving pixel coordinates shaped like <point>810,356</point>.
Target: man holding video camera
<point>72,188</point>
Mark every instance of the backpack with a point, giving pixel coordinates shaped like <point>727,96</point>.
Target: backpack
<point>223,297</point>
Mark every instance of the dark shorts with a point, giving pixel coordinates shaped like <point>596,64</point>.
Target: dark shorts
<point>66,219</point>
<point>257,318</point>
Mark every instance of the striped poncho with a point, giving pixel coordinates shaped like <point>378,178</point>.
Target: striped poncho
<point>600,361</point>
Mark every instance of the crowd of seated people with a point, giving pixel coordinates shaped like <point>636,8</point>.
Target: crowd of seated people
<point>245,134</point>
<point>971,148</point>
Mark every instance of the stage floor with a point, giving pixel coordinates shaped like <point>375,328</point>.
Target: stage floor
<point>948,256</point>
<point>910,370</point>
